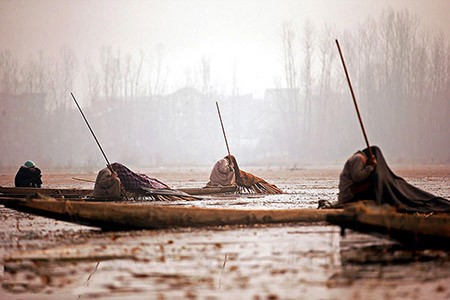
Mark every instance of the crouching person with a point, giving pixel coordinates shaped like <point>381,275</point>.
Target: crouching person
<point>222,173</point>
<point>28,175</point>
<point>357,179</point>
<point>107,184</point>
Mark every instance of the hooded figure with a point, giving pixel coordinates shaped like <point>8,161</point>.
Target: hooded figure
<point>107,184</point>
<point>356,181</point>
<point>28,175</point>
<point>222,173</point>
<point>116,179</point>
<point>384,187</point>
<point>226,172</point>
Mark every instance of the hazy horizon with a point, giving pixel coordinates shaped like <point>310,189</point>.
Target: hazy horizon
<point>159,66</point>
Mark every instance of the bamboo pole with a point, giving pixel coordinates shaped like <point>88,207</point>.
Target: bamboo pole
<point>92,132</point>
<point>223,130</point>
<point>354,100</point>
<point>98,143</point>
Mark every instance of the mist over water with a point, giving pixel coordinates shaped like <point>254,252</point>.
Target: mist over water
<point>145,114</point>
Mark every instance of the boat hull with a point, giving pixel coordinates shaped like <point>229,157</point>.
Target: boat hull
<point>411,230</point>
<point>124,216</point>
<point>76,193</point>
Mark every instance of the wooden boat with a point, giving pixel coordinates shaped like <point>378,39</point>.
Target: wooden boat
<point>55,192</point>
<point>411,230</point>
<point>77,193</point>
<point>210,190</point>
<point>145,215</point>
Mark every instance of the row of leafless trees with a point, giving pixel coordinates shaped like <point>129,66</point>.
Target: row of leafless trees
<point>400,73</point>
<point>122,75</point>
<point>39,74</point>
<point>113,74</point>
<point>401,76</point>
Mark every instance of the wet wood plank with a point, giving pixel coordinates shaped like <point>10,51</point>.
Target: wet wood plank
<point>412,230</point>
<point>72,192</point>
<point>115,216</point>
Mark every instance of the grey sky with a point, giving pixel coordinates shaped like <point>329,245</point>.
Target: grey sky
<point>245,32</point>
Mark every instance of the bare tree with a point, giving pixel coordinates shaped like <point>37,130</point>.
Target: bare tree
<point>63,75</point>
<point>35,74</point>
<point>386,40</point>
<point>288,94</point>
<point>92,81</point>
<point>116,75</point>
<point>234,84</point>
<point>307,76</point>
<point>105,63</point>
<point>189,80</point>
<point>289,57</point>
<point>125,76</point>
<point>136,76</point>
<point>324,88</point>
<point>9,74</point>
<point>327,55</point>
<point>205,75</point>
<point>158,74</point>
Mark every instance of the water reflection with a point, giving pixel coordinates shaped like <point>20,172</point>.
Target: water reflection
<point>275,261</point>
<point>257,261</point>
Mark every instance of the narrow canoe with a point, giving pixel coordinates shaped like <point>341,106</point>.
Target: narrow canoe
<point>75,193</point>
<point>123,216</point>
<point>411,230</point>
<point>28,191</point>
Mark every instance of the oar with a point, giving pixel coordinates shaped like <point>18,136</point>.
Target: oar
<point>92,132</point>
<point>236,168</point>
<point>223,130</point>
<point>354,101</point>
<point>83,179</point>
<point>95,138</point>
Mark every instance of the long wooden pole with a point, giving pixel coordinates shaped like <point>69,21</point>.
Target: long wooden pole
<point>223,130</point>
<point>354,100</point>
<point>93,134</point>
<point>101,149</point>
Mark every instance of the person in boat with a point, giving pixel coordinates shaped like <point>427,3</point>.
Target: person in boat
<point>222,174</point>
<point>383,186</point>
<point>28,175</point>
<point>356,181</point>
<point>107,184</point>
<point>115,177</point>
<point>243,180</point>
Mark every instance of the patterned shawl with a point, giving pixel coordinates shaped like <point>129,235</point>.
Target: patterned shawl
<point>132,180</point>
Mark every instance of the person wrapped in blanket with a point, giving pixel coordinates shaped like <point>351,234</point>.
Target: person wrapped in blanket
<point>107,184</point>
<point>356,181</point>
<point>113,180</point>
<point>28,175</point>
<point>226,172</point>
<point>372,179</point>
<point>222,174</point>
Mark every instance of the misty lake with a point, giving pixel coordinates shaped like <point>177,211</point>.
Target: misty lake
<point>44,258</point>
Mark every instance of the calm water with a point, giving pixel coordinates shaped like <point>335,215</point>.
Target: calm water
<point>49,259</point>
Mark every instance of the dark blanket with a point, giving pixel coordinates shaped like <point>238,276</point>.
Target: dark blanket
<point>28,177</point>
<point>394,190</point>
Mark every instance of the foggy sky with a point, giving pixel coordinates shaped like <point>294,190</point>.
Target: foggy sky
<point>241,36</point>
<point>241,33</point>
